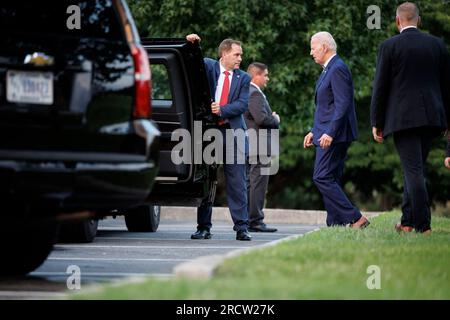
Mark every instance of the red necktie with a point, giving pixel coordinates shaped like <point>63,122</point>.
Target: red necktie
<point>225,92</point>
<point>225,89</point>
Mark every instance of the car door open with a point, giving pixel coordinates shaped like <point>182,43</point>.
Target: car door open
<point>180,101</point>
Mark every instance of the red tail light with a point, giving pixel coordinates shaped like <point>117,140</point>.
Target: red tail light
<point>142,83</point>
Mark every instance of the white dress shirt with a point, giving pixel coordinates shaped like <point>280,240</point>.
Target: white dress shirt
<point>220,83</point>
<point>328,61</point>
<point>259,89</point>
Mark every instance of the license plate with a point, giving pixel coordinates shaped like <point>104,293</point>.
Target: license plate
<point>29,87</point>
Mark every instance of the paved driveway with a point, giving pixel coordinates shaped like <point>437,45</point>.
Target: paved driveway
<point>117,253</point>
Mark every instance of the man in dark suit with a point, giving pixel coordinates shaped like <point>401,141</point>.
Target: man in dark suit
<point>229,87</point>
<point>411,101</point>
<point>334,129</point>
<point>259,116</point>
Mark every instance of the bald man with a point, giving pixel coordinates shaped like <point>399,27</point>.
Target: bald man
<point>411,102</point>
<point>334,129</point>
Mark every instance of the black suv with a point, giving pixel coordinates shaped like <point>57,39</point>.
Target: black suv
<point>81,131</point>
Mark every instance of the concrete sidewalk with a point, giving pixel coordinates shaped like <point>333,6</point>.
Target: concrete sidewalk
<point>222,214</point>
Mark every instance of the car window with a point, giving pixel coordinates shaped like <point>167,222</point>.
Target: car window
<point>160,83</point>
<point>98,18</point>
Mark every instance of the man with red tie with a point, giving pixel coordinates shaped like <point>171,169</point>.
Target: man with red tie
<point>229,88</point>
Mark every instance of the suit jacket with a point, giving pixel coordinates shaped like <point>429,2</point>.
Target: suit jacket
<point>259,116</point>
<point>412,83</point>
<point>335,112</point>
<point>238,97</point>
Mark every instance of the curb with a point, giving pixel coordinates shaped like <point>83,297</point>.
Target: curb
<point>222,214</point>
<point>205,267</point>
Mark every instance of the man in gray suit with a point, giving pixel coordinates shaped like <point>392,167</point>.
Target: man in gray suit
<point>259,116</point>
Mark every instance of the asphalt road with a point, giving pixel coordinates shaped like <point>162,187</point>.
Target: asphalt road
<point>117,253</point>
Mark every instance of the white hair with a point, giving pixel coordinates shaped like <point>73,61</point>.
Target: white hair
<point>326,38</point>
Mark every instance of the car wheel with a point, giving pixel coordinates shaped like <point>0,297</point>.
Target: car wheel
<point>144,218</point>
<point>25,246</point>
<point>79,231</point>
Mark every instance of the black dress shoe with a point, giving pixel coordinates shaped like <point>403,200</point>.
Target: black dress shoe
<point>243,235</point>
<point>201,234</point>
<point>261,228</point>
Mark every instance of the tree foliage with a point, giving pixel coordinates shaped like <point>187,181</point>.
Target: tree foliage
<point>278,34</point>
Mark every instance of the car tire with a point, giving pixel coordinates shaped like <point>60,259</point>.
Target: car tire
<point>144,218</point>
<point>78,232</point>
<point>25,246</point>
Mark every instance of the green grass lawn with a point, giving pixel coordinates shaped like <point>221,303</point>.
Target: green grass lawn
<point>328,264</point>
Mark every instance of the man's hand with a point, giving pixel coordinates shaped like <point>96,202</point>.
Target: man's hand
<point>447,162</point>
<point>277,116</point>
<point>308,140</point>
<point>215,107</point>
<point>325,141</point>
<point>193,37</point>
<point>377,135</point>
